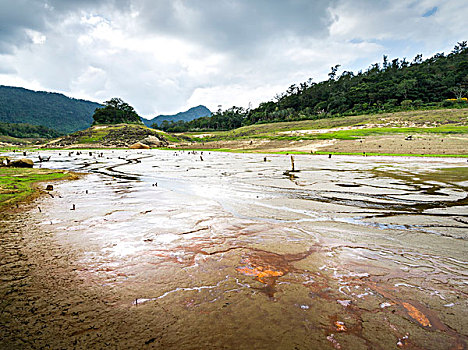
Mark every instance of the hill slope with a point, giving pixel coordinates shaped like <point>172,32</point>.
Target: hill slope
<point>117,135</point>
<point>191,114</point>
<point>432,132</point>
<point>53,110</point>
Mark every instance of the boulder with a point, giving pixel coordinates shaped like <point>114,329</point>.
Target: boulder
<point>4,161</point>
<point>22,163</point>
<point>139,145</point>
<point>152,141</point>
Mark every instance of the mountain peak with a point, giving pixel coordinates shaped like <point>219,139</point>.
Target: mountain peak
<point>188,115</point>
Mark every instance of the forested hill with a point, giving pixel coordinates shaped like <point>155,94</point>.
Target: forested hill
<point>24,130</point>
<point>392,85</point>
<point>53,110</point>
<point>191,114</point>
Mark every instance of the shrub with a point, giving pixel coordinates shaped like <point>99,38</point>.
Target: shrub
<point>406,103</point>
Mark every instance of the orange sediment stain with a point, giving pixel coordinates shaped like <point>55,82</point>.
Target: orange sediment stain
<point>417,315</point>
<point>340,326</point>
<point>260,272</point>
<point>266,267</point>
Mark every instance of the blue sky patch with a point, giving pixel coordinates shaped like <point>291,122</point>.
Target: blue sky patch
<point>430,12</point>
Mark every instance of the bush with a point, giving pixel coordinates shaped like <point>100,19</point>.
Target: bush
<point>406,103</point>
<point>448,103</point>
<point>417,103</point>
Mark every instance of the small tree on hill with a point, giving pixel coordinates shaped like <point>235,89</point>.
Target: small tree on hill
<point>116,111</point>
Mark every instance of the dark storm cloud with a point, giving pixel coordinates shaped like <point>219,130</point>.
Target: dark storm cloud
<point>15,18</point>
<point>220,25</point>
<point>19,17</point>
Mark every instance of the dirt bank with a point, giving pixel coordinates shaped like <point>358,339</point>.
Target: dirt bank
<point>387,144</point>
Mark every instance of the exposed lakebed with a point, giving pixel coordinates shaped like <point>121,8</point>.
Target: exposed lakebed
<point>171,249</point>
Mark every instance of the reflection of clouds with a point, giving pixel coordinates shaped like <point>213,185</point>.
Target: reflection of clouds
<point>134,221</point>
<point>122,249</point>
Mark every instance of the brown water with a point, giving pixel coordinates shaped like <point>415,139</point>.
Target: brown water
<point>232,252</point>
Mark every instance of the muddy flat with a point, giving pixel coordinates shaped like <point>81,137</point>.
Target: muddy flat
<point>190,250</point>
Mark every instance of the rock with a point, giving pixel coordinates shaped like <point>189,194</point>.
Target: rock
<point>22,163</point>
<point>139,145</point>
<point>152,141</point>
<point>4,161</point>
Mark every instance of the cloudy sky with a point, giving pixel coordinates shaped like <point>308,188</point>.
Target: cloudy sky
<point>165,56</point>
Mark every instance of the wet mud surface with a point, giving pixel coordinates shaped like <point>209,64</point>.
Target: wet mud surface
<point>161,249</point>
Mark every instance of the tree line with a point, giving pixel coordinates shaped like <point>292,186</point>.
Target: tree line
<point>390,86</point>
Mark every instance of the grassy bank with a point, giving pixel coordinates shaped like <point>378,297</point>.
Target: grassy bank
<point>352,134</point>
<point>17,184</point>
<point>438,133</point>
<point>428,121</point>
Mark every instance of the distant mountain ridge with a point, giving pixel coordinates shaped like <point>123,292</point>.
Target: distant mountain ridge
<point>64,114</point>
<point>191,114</point>
<point>49,109</point>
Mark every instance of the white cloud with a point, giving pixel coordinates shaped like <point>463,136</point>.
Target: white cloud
<point>232,95</point>
<point>401,21</point>
<point>36,37</point>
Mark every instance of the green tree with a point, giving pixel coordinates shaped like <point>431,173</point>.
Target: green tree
<point>116,111</point>
<point>405,86</point>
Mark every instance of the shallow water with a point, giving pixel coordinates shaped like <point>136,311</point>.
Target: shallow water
<point>347,252</point>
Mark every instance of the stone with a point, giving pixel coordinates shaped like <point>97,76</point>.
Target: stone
<point>22,163</point>
<point>139,145</point>
<point>152,141</point>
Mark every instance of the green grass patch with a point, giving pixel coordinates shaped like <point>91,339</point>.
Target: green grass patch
<point>17,183</point>
<point>96,137</point>
<point>169,137</point>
